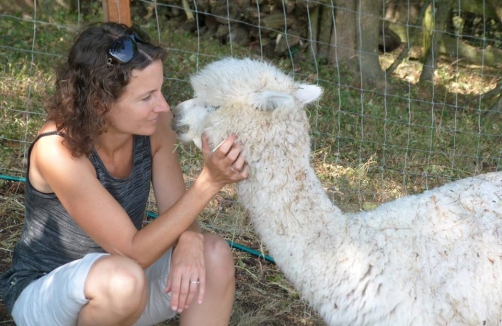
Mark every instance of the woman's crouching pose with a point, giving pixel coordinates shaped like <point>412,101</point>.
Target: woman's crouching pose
<point>84,257</point>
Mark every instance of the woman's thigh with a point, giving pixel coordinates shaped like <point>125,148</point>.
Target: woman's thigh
<point>56,298</point>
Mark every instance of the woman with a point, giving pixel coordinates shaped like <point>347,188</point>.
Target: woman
<point>83,258</point>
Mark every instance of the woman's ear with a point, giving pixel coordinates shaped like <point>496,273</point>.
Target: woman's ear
<point>101,110</point>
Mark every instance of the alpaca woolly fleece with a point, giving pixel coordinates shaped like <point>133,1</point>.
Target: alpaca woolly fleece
<point>428,259</point>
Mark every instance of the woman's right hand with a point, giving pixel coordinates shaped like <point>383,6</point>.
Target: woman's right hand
<point>225,164</point>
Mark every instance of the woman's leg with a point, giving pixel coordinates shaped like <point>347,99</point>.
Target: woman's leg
<point>57,298</point>
<point>116,288</point>
<point>220,286</point>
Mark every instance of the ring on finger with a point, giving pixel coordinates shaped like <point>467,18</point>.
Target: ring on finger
<point>232,168</point>
<point>195,282</point>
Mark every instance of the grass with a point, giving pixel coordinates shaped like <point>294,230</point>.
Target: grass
<point>367,147</point>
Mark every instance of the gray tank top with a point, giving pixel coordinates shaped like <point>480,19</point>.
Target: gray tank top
<point>51,238</point>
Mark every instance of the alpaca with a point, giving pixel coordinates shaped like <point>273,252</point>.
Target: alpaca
<point>428,259</point>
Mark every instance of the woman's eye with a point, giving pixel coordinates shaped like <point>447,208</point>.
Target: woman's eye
<point>147,97</point>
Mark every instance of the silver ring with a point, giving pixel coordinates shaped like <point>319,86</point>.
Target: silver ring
<point>194,282</point>
<point>232,168</point>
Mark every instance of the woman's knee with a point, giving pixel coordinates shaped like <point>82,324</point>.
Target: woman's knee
<point>117,279</point>
<point>219,256</point>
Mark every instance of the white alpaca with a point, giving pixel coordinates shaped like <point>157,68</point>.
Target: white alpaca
<point>430,259</point>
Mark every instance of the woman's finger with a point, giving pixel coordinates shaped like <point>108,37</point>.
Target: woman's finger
<point>173,286</point>
<point>202,288</point>
<point>194,287</point>
<point>233,153</point>
<point>238,164</point>
<point>183,293</point>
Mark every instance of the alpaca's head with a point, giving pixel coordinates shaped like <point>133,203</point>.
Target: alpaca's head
<point>241,96</point>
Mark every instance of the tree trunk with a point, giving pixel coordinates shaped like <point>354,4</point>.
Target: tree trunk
<point>427,30</point>
<point>439,15</point>
<point>369,18</point>
<point>314,30</point>
<point>343,38</point>
<point>355,39</point>
<point>325,31</point>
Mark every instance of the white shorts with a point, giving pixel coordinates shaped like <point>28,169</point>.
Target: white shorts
<point>57,298</point>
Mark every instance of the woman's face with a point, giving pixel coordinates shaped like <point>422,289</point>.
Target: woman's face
<point>137,110</point>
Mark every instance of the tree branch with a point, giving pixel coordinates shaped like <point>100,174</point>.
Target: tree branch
<point>496,91</point>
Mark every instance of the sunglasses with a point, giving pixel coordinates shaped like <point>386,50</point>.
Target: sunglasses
<point>125,48</point>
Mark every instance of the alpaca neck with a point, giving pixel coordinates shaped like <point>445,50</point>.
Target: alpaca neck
<point>296,221</point>
<point>284,198</point>
<point>288,206</point>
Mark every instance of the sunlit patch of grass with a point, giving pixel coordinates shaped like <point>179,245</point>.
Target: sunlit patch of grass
<point>404,134</point>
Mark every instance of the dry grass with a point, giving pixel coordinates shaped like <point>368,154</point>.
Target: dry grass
<point>11,223</point>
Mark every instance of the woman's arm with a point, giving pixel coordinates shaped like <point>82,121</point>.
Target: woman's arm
<point>168,182</point>
<point>74,181</point>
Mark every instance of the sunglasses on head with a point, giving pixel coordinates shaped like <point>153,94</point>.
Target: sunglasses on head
<point>125,47</point>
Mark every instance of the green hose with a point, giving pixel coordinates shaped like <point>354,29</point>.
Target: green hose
<point>153,215</point>
<point>11,178</point>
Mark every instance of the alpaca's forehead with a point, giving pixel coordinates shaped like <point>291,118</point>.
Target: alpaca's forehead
<point>243,93</point>
<point>244,79</point>
<point>240,78</point>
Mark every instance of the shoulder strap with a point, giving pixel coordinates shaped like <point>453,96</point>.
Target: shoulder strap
<point>48,133</point>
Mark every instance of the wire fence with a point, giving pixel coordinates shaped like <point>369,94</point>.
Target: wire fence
<point>383,141</point>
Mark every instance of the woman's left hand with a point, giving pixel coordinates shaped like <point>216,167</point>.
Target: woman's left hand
<point>225,164</point>
<point>188,274</point>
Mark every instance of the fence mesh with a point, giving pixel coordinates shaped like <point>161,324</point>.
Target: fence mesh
<point>369,145</point>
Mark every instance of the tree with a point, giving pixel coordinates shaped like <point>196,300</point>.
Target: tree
<point>348,34</point>
<point>434,25</point>
<point>368,29</point>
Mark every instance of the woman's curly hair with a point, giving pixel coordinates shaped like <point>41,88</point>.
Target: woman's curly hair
<point>86,86</point>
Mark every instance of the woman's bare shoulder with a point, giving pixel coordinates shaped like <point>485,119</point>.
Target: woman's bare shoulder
<point>51,157</point>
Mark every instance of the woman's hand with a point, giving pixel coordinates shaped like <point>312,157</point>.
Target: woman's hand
<point>188,272</point>
<point>225,163</point>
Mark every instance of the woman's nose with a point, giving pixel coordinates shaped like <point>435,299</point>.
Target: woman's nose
<point>163,106</point>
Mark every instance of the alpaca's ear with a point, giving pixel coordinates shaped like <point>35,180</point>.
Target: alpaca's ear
<point>308,93</point>
<point>270,100</point>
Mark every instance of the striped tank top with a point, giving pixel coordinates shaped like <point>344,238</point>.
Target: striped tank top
<point>51,238</point>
